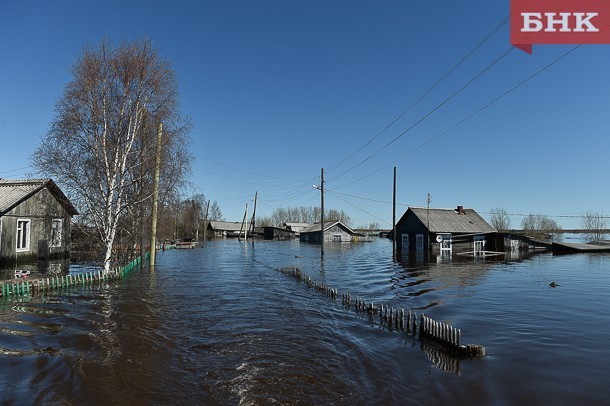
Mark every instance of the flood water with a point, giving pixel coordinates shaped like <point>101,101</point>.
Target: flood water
<point>220,325</point>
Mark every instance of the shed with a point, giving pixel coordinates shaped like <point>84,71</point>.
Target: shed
<point>444,231</point>
<point>225,228</point>
<point>334,231</point>
<point>296,227</point>
<point>276,233</point>
<point>35,221</point>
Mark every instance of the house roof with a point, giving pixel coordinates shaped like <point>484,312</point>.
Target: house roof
<point>13,192</point>
<point>297,224</point>
<point>316,227</point>
<point>450,221</point>
<point>226,225</point>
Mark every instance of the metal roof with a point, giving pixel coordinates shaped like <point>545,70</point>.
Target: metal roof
<point>13,192</point>
<point>450,221</point>
<point>318,226</point>
<point>226,225</point>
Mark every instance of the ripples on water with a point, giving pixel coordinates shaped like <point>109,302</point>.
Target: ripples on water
<point>219,325</point>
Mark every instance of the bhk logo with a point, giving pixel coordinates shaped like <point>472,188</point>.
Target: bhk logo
<point>559,22</point>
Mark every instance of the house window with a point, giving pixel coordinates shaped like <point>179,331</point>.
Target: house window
<point>336,237</point>
<point>405,241</point>
<point>56,232</point>
<point>23,235</point>
<point>419,242</point>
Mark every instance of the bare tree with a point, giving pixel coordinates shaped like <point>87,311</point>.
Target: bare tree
<point>500,219</point>
<point>538,226</point>
<point>215,213</point>
<point>596,225</point>
<point>99,143</point>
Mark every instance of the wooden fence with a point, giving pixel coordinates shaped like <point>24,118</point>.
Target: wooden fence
<point>27,286</point>
<point>442,335</point>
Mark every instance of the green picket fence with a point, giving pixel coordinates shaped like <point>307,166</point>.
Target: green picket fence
<point>24,287</point>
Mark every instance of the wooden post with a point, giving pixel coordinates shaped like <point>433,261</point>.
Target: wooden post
<point>244,226</point>
<point>322,215</point>
<point>153,237</point>
<point>205,222</point>
<point>394,219</point>
<point>254,216</point>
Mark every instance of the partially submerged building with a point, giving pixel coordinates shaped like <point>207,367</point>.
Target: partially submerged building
<point>225,228</point>
<point>277,233</point>
<point>295,227</point>
<point>444,231</point>
<point>35,221</point>
<point>334,231</point>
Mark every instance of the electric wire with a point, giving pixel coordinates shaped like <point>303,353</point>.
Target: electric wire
<point>430,90</point>
<point>427,115</point>
<point>466,118</point>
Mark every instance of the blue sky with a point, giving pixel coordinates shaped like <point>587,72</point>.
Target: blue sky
<point>279,89</point>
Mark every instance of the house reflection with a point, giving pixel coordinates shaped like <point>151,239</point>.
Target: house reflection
<point>36,269</point>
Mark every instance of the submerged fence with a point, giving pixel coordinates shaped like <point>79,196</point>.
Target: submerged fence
<point>442,335</point>
<point>27,286</point>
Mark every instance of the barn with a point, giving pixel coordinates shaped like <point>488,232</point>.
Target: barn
<point>35,221</point>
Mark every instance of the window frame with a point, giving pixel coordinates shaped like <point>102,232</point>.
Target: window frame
<point>52,243</point>
<point>19,234</point>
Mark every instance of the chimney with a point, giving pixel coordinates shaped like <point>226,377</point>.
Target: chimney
<point>460,210</point>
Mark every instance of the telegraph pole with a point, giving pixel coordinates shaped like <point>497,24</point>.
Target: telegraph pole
<point>153,237</point>
<point>205,222</point>
<point>428,220</point>
<point>254,217</point>
<point>322,214</point>
<point>394,218</point>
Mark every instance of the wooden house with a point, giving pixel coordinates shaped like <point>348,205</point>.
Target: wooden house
<point>444,232</point>
<point>276,233</point>
<point>334,231</point>
<point>35,221</point>
<point>225,228</point>
<point>295,227</point>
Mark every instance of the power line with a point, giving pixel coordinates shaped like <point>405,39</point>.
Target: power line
<point>423,118</point>
<point>430,90</point>
<point>250,172</point>
<point>359,208</point>
<point>467,118</point>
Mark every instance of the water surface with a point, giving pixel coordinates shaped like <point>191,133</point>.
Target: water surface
<point>220,325</point>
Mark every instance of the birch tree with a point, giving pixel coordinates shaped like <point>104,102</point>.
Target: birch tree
<point>97,142</point>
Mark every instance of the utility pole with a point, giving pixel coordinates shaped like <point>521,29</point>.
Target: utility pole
<point>254,217</point>
<point>244,225</point>
<point>428,219</point>
<point>322,215</point>
<point>153,237</point>
<point>205,222</point>
<point>394,218</point>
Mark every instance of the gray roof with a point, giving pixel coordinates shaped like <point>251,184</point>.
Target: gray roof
<point>313,228</point>
<point>449,221</point>
<point>13,192</point>
<point>297,224</point>
<point>226,225</point>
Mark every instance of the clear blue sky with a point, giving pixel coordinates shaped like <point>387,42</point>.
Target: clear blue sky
<point>279,89</point>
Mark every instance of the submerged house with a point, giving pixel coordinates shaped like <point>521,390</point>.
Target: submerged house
<point>35,221</point>
<point>295,227</point>
<point>226,228</point>
<point>444,231</point>
<point>277,233</point>
<point>334,231</point>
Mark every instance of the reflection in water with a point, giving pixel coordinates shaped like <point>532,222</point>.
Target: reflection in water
<point>219,325</point>
<point>441,359</point>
